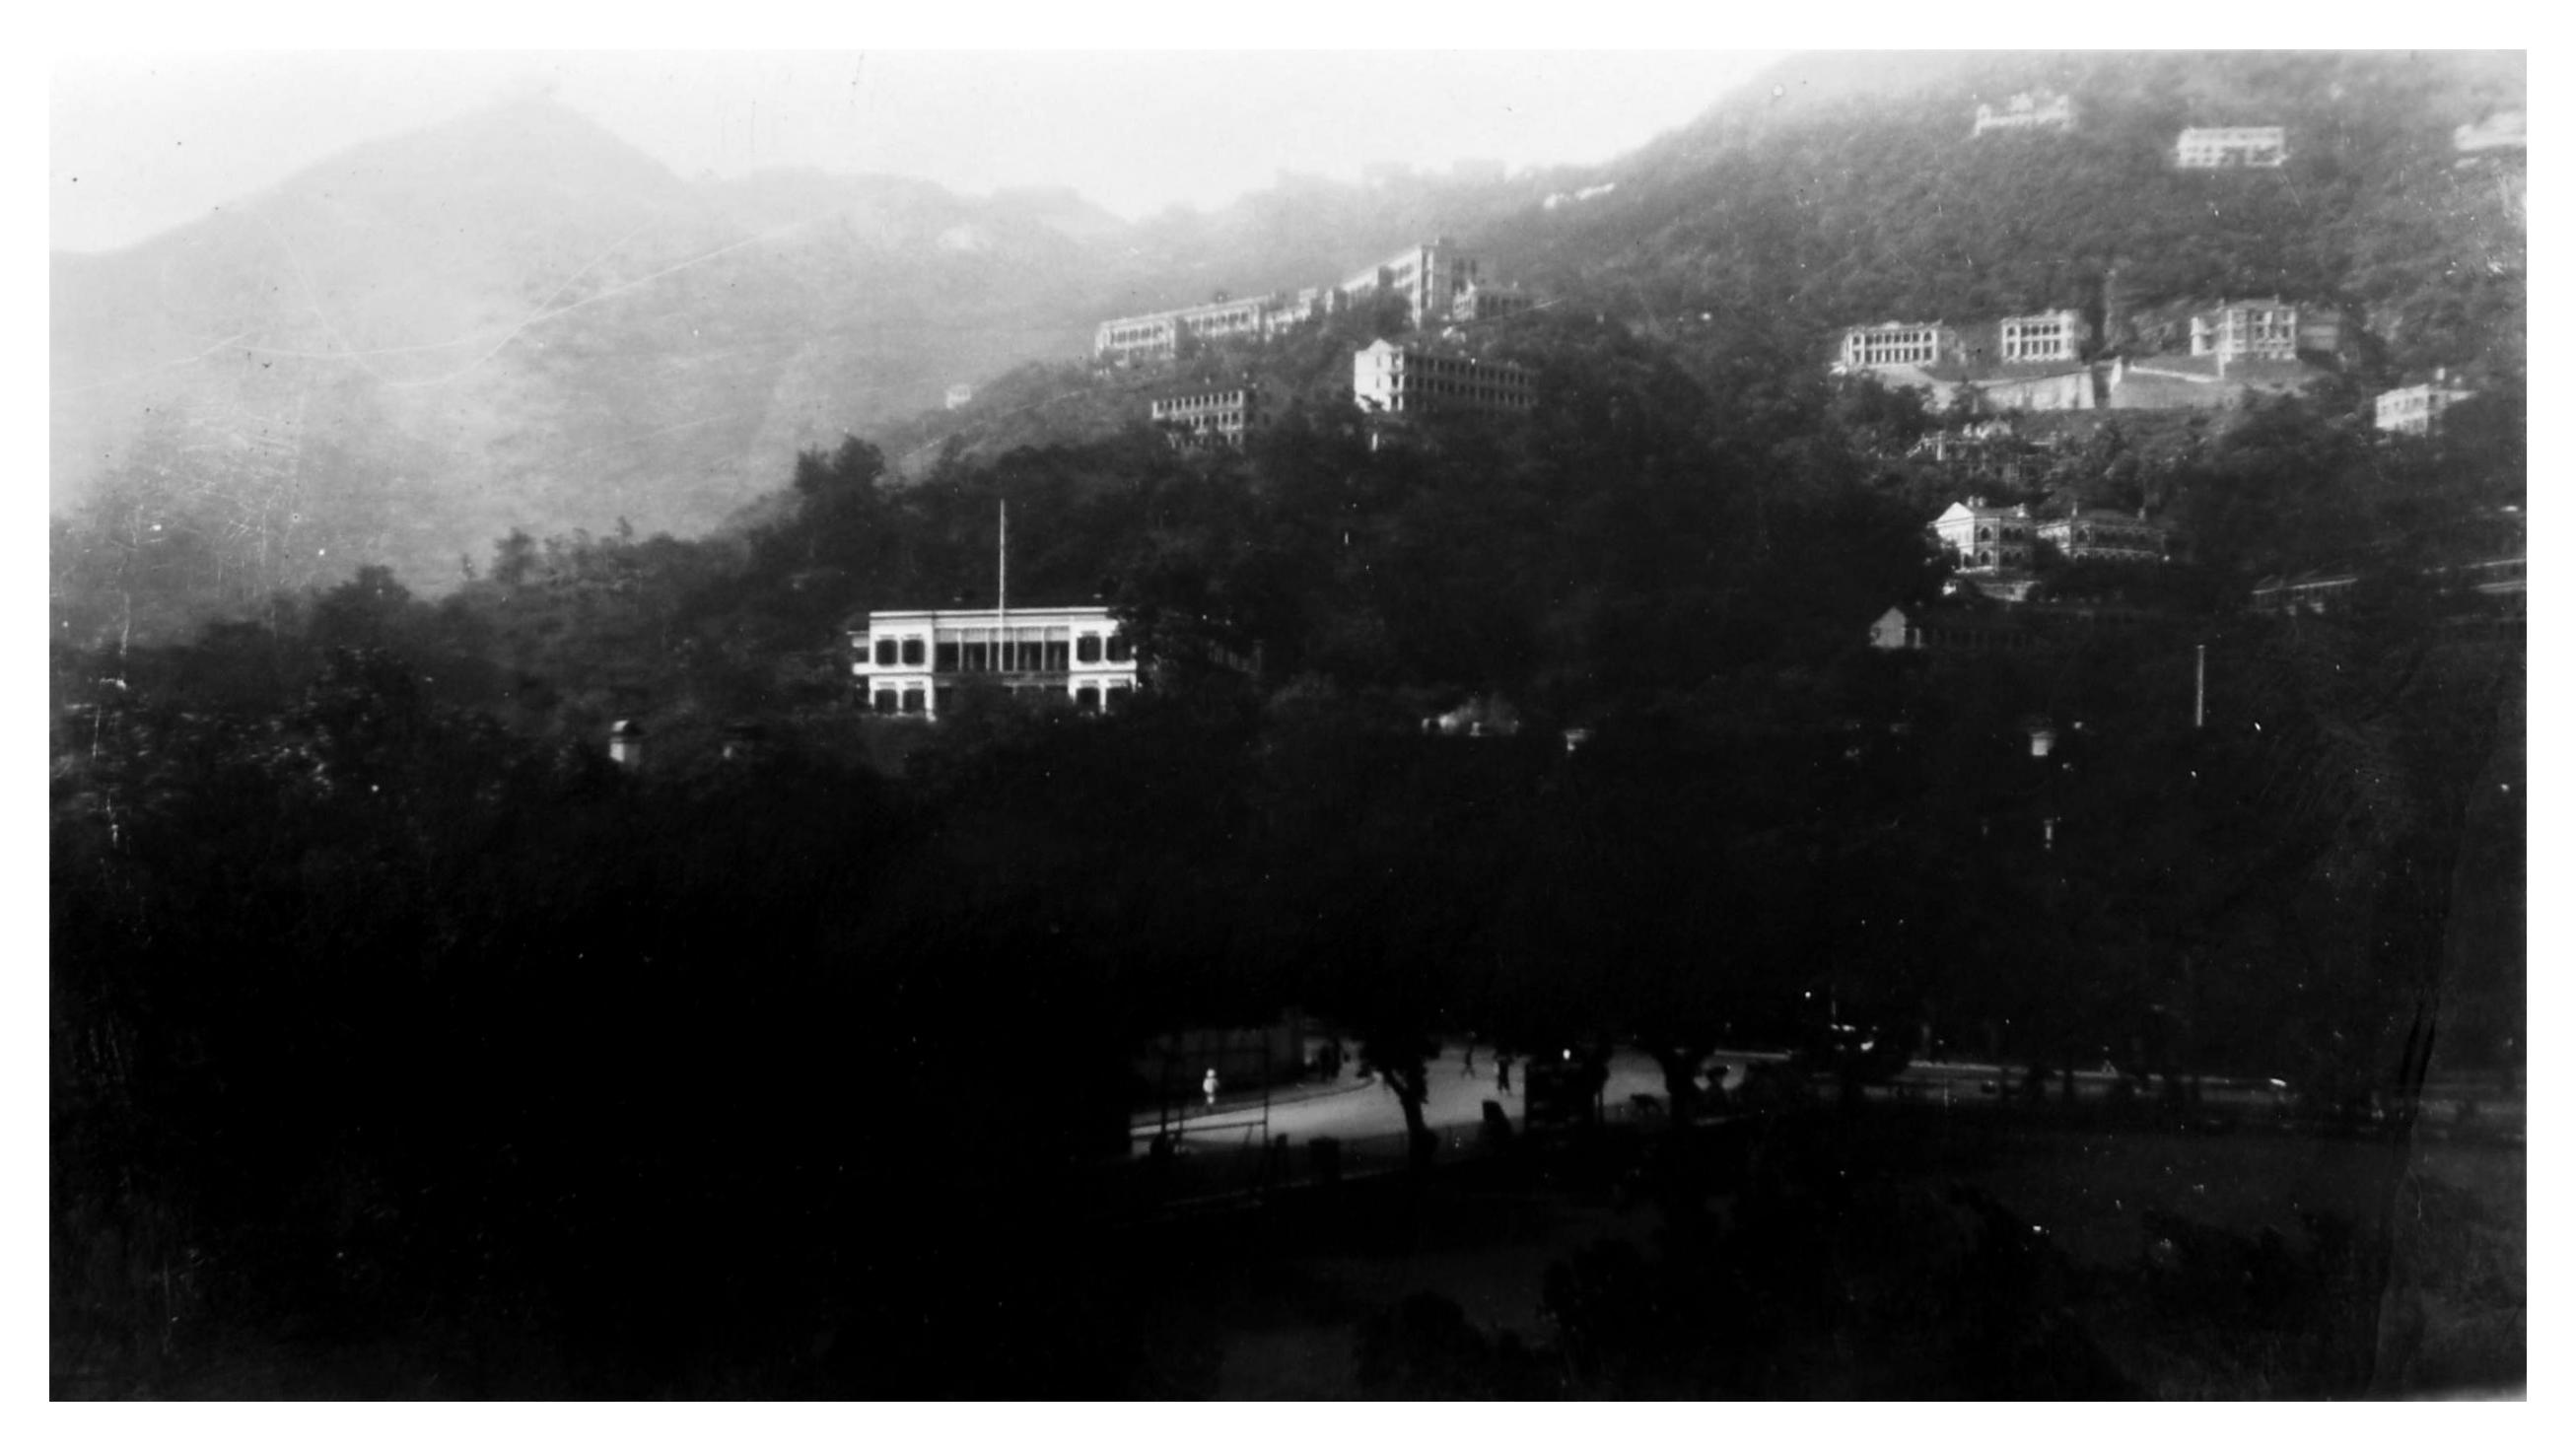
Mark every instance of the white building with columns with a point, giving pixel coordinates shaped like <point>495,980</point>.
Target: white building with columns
<point>912,662</point>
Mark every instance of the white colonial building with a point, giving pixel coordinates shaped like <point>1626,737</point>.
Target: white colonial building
<point>910,662</point>
<point>2043,337</point>
<point>1430,278</point>
<point>1391,378</point>
<point>1157,336</point>
<point>2418,410</point>
<point>1879,346</point>
<point>1219,417</point>
<point>2264,329</point>
<point>2106,534</point>
<point>2028,111</point>
<point>1986,537</point>
<point>2224,147</point>
<point>1483,303</point>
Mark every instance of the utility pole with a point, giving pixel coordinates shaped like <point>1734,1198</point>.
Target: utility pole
<point>1002,590</point>
<point>2199,685</point>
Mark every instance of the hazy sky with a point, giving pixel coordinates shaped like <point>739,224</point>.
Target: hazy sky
<point>143,142</point>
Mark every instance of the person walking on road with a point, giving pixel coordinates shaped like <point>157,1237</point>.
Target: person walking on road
<point>1468,1068</point>
<point>1503,1071</point>
<point>1208,1086</point>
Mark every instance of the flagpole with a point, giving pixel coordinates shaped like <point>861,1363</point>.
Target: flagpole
<point>1002,589</point>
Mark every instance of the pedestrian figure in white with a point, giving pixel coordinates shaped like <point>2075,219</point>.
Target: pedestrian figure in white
<point>1208,1086</point>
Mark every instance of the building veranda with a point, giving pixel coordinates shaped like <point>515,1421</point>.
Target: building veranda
<point>913,662</point>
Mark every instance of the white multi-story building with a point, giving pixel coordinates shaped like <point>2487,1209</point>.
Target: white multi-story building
<point>2043,337</point>
<point>1206,420</point>
<point>1429,277</point>
<point>1897,344</point>
<point>2419,409</point>
<point>910,662</point>
<point>1157,336</point>
<point>960,394</point>
<point>1984,537</point>
<point>2028,111</point>
<point>2106,534</point>
<point>2264,329</point>
<point>2222,147</point>
<point>1481,303</point>
<point>1390,378</point>
<point>2502,131</point>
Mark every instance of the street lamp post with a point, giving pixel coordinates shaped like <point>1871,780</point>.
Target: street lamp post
<point>2043,741</point>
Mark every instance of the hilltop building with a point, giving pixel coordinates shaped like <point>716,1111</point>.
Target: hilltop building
<point>1208,420</point>
<point>2033,362</point>
<point>2222,148</point>
<point>1429,277</point>
<point>2027,111</point>
<point>1993,444</point>
<point>1388,378</point>
<point>2418,410</point>
<point>2266,328</point>
<point>1895,345</point>
<point>910,662</point>
<point>2503,131</point>
<point>1568,198</point>
<point>1483,303</point>
<point>1157,336</point>
<point>960,394</point>
<point>2043,337</point>
<point>1986,538</point>
<point>2106,534</point>
<point>1437,281</point>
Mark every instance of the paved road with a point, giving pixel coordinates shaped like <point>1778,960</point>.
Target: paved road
<point>1351,1109</point>
<point>1355,1110</point>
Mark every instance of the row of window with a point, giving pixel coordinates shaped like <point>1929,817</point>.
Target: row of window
<point>1199,402</point>
<point>954,655</point>
<point>1913,348</point>
<point>1087,699</point>
<point>1434,365</point>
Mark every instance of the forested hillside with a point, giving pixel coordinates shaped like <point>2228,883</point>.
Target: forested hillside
<point>1854,207</point>
<point>386,1011</point>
